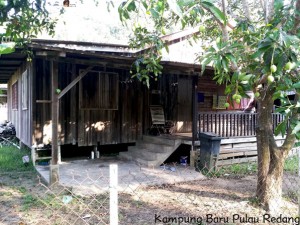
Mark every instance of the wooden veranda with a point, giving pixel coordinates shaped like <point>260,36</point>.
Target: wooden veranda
<point>238,130</point>
<point>232,124</point>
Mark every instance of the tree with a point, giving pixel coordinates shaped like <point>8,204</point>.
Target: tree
<point>20,21</point>
<point>258,53</point>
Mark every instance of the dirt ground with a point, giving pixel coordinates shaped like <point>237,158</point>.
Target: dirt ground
<point>24,199</point>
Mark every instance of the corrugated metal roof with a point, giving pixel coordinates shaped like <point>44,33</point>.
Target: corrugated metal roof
<point>81,46</point>
<point>179,51</point>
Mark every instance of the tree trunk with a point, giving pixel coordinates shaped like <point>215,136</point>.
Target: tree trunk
<point>263,148</point>
<point>270,158</point>
<point>271,197</point>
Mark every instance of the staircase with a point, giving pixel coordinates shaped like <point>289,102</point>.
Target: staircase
<point>151,151</point>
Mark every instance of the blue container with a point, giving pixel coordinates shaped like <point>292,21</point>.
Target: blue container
<point>183,160</point>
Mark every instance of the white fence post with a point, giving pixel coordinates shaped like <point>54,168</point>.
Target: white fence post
<point>113,197</point>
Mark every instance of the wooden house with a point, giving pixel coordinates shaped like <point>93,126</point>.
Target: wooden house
<point>83,94</point>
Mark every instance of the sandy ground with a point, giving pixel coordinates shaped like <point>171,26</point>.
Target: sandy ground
<point>146,196</point>
<point>92,176</point>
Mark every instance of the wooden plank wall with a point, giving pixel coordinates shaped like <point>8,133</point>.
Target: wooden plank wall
<point>22,117</point>
<point>87,125</point>
<point>169,95</point>
<point>184,117</point>
<point>42,111</point>
<point>68,105</point>
<point>208,87</point>
<point>176,95</point>
<point>123,124</point>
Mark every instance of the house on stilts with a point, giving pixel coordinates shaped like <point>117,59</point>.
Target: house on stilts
<point>82,94</point>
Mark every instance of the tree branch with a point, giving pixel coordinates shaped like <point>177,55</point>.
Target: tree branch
<point>246,9</point>
<point>297,18</point>
<point>222,25</point>
<point>291,138</point>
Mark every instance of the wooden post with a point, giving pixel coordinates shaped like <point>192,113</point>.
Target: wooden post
<point>54,167</point>
<point>194,111</point>
<point>195,120</point>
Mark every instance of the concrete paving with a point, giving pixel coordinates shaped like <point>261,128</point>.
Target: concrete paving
<point>88,177</point>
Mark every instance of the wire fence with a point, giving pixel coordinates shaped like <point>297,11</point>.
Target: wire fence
<point>110,190</point>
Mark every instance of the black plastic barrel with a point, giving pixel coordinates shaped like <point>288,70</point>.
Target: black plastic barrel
<point>209,150</point>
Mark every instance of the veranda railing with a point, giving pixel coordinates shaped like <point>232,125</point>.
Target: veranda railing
<point>232,124</point>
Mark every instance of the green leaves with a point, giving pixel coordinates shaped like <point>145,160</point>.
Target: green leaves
<point>23,21</point>
<point>214,10</point>
<point>175,7</point>
<point>165,13</point>
<point>145,68</point>
<point>296,85</point>
<point>262,48</point>
<point>281,128</point>
<point>125,8</point>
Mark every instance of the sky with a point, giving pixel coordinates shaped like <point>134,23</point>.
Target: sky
<point>88,21</point>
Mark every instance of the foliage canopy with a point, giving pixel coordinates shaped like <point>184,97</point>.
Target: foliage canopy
<point>22,20</point>
<point>258,53</point>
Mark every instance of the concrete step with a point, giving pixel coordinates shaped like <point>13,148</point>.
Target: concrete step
<point>144,154</point>
<point>152,150</point>
<point>147,163</point>
<point>142,162</point>
<point>165,140</point>
<point>159,148</point>
<point>125,155</point>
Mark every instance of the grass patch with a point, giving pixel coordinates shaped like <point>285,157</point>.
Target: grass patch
<point>291,165</point>
<point>29,202</point>
<point>235,170</point>
<point>11,159</point>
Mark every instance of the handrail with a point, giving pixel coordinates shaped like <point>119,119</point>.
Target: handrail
<point>232,124</point>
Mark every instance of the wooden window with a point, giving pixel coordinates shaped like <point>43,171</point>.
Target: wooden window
<point>99,90</point>
<point>25,90</point>
<point>14,98</point>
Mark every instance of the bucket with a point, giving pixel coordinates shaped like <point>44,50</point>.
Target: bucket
<point>183,160</point>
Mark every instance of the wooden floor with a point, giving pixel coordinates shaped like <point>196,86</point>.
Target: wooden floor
<point>186,138</point>
<point>232,150</point>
